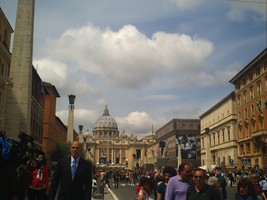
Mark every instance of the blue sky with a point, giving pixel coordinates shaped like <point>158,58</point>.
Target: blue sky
<point>148,61</point>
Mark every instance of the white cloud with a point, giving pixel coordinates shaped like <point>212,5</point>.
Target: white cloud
<point>85,117</point>
<point>52,71</point>
<point>128,58</point>
<point>139,122</point>
<point>83,87</point>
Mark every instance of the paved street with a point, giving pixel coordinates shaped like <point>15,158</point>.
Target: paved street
<point>128,193</point>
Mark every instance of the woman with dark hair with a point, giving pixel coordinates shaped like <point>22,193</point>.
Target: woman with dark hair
<point>38,188</point>
<point>168,172</point>
<point>246,190</point>
<point>147,191</point>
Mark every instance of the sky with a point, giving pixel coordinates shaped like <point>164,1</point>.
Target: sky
<point>149,61</point>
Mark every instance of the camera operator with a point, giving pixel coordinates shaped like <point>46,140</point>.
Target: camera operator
<point>24,172</point>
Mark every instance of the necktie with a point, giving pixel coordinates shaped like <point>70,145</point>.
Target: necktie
<point>73,168</point>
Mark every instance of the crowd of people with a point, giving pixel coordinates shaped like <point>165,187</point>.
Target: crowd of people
<point>32,179</point>
<point>186,183</point>
<point>74,178</point>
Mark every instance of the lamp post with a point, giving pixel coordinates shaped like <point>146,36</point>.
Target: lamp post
<point>71,118</point>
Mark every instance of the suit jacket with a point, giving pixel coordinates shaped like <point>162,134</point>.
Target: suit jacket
<point>80,188</point>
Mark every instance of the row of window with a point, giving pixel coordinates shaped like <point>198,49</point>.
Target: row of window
<point>219,160</point>
<point>252,75</point>
<point>244,133</point>
<point>257,106</point>
<point>246,149</point>
<point>251,94</point>
<point>219,137</point>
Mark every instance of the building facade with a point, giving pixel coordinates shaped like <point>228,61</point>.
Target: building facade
<point>219,135</point>
<point>5,59</point>
<point>37,107</point>
<point>251,105</point>
<point>54,131</point>
<point>179,141</point>
<point>107,147</point>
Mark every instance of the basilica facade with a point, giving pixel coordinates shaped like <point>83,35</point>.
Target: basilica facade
<point>106,146</point>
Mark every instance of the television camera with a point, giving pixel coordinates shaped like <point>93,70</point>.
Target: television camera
<point>17,152</point>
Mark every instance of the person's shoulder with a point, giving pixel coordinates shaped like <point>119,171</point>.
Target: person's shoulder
<point>85,162</point>
<point>161,184</point>
<point>173,178</point>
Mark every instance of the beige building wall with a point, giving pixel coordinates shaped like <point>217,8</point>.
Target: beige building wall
<point>219,135</point>
<point>152,153</point>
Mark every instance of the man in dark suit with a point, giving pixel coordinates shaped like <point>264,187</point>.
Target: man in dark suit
<point>73,184</point>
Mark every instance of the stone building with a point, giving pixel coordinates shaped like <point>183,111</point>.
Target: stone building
<point>106,146</point>
<point>5,59</point>
<point>179,141</point>
<point>251,108</point>
<point>218,134</point>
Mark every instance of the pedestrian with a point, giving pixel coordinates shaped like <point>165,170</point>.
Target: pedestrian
<point>222,181</point>
<point>38,189</point>
<point>231,178</point>
<point>116,178</point>
<point>200,190</point>
<point>168,172</point>
<point>147,191</point>
<point>258,189</point>
<point>127,177</point>
<point>73,176</point>
<point>138,190</point>
<point>178,185</point>
<point>214,182</point>
<point>263,183</point>
<point>246,190</point>
<point>107,178</point>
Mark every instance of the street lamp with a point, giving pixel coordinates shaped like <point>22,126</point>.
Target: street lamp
<point>71,118</point>
<point>72,99</point>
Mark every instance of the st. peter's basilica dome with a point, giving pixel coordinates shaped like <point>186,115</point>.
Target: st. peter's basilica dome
<point>106,122</point>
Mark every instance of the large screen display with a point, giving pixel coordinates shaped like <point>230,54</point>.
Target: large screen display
<point>188,146</point>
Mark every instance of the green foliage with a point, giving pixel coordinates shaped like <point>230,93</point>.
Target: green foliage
<point>60,151</point>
